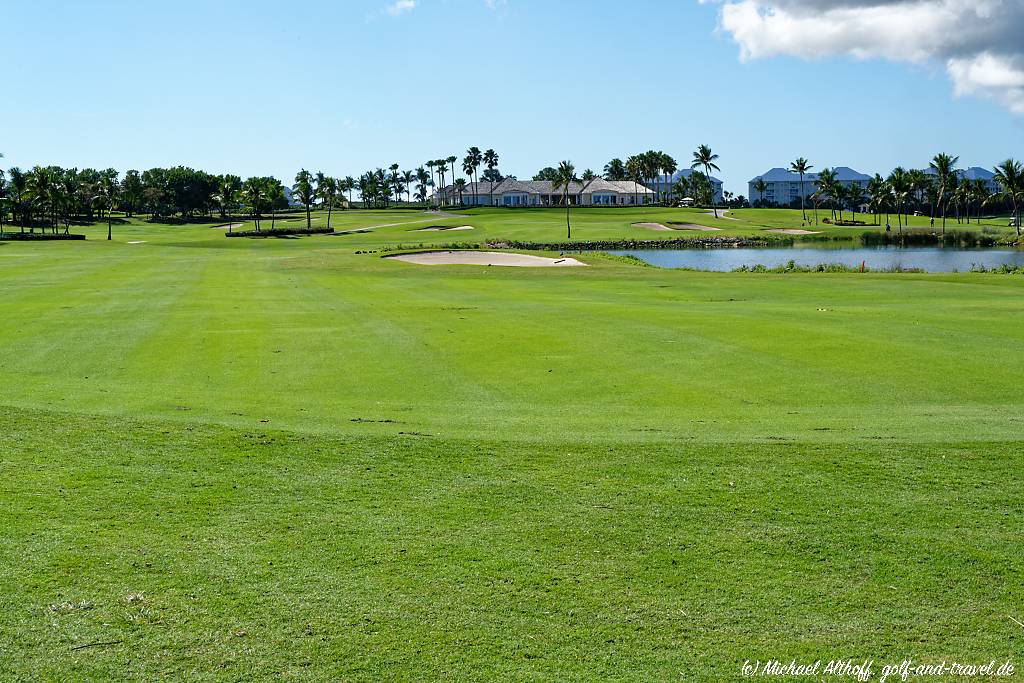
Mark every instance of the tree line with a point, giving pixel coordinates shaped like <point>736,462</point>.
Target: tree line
<point>904,192</point>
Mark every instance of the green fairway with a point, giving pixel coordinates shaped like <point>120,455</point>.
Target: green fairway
<point>255,459</point>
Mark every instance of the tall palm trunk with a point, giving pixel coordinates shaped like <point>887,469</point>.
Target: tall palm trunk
<point>568,228</point>
<point>707,171</point>
<point>803,210</point>
<point>942,207</point>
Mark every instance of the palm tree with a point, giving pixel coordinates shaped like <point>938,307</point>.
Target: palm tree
<point>430,167</point>
<point>380,185</point>
<point>319,178</point>
<point>801,166</point>
<point>394,182</point>
<point>303,191</point>
<point>702,188</point>
<point>460,187</point>
<point>588,175</point>
<point>899,189</point>
<point>651,162</point>
<point>349,184</point>
<point>854,196</point>
<point>423,178</point>
<point>634,172</point>
<point>326,191</point>
<point>669,167</point>
<point>944,165</point>
<point>841,195</point>
<point>3,196</point>
<point>442,168</point>
<point>565,176</point>
<point>1009,176</point>
<point>490,159</point>
<point>827,183</point>
<point>365,185</point>
<point>407,178</point>
<point>397,185</point>
<point>254,193</point>
<point>274,192</point>
<point>18,187</point>
<point>474,157</point>
<point>468,168</point>
<point>961,197</point>
<point>227,192</point>
<point>615,170</point>
<point>760,186</point>
<point>42,190</point>
<point>452,160</point>
<point>682,187</point>
<point>877,189</point>
<point>979,193</point>
<point>108,191</point>
<point>917,182</point>
<point>704,157</point>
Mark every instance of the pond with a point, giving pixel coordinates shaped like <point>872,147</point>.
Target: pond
<point>930,259</point>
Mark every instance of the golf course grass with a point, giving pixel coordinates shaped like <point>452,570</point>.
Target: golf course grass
<point>266,459</point>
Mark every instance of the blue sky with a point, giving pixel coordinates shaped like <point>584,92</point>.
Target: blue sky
<point>266,88</point>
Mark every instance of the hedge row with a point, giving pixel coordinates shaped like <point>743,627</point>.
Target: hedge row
<point>39,236</point>
<point>280,232</point>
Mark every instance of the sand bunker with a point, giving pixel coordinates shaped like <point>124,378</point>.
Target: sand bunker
<point>484,258</point>
<point>137,242</point>
<point>443,228</point>
<point>226,226</point>
<point>692,226</point>
<point>794,231</point>
<point>652,226</point>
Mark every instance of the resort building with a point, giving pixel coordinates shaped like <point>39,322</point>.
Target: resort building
<point>784,188</point>
<point>659,185</point>
<point>972,173</point>
<point>512,193</point>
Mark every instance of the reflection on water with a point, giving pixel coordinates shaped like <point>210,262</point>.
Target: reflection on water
<point>931,259</point>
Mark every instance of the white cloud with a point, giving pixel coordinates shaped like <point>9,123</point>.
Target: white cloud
<point>997,77</point>
<point>974,39</point>
<point>400,7</point>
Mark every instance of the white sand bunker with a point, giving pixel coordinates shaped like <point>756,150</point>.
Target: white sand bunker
<point>692,226</point>
<point>137,242</point>
<point>443,228</point>
<point>652,226</point>
<point>226,226</point>
<point>484,258</point>
<point>794,231</point>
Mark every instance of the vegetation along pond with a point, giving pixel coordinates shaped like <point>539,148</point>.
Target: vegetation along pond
<point>930,259</point>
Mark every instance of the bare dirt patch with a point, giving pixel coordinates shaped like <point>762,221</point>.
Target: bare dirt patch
<point>484,258</point>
